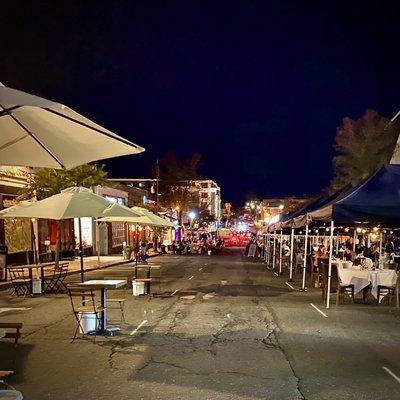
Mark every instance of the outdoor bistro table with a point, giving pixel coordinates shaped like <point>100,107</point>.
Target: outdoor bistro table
<point>103,285</point>
<point>363,278</point>
<point>31,267</point>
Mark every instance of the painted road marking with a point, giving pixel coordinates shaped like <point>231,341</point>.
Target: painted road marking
<point>276,274</point>
<point>138,327</point>
<point>200,269</point>
<point>175,291</point>
<point>393,375</point>
<point>7,309</point>
<point>316,308</point>
<point>191,277</point>
<point>291,287</point>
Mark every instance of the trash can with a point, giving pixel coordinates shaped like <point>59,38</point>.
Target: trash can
<point>88,322</point>
<point>36,286</point>
<point>3,262</point>
<point>138,288</point>
<point>7,392</point>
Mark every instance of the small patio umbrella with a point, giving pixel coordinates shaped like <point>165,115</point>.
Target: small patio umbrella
<point>37,132</point>
<point>145,217</point>
<point>74,202</point>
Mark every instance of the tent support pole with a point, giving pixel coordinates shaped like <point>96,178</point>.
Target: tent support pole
<point>268,248</point>
<point>328,291</point>
<point>380,249</point>
<point>291,255</point>
<point>303,283</point>
<point>274,255</point>
<point>354,239</point>
<point>337,243</point>
<point>280,252</point>
<point>81,249</point>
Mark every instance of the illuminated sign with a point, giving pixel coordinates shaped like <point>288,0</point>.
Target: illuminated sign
<point>112,199</point>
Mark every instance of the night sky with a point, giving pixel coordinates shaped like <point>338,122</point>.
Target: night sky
<point>257,87</point>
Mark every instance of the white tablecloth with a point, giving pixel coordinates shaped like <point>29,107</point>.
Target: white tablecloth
<point>362,278</point>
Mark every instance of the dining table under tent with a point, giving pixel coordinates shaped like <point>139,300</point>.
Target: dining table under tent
<point>375,202</point>
<point>288,223</point>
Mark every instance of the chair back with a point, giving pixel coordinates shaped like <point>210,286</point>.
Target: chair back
<point>17,273</point>
<point>86,296</point>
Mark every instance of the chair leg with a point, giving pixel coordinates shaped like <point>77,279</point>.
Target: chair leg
<point>121,306</point>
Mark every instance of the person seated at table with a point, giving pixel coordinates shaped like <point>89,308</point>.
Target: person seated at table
<point>372,252</point>
<point>320,254</point>
<point>285,249</point>
<point>349,254</point>
<point>143,256</point>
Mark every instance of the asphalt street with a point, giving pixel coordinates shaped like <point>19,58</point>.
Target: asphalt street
<point>221,327</point>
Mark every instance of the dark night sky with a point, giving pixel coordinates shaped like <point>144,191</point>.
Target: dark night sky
<point>257,87</point>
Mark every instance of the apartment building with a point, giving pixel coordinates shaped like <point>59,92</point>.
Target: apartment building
<point>209,196</point>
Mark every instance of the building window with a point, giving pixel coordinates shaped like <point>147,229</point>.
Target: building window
<point>204,185</point>
<point>204,195</point>
<point>118,233</point>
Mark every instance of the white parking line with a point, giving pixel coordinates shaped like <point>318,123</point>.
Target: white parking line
<point>321,312</point>
<point>393,375</point>
<point>291,287</point>
<point>175,291</point>
<point>191,277</point>
<point>138,327</point>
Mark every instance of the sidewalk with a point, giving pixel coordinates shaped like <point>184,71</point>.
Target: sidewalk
<point>90,263</point>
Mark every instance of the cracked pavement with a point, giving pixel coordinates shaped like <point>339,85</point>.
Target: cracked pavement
<point>233,331</point>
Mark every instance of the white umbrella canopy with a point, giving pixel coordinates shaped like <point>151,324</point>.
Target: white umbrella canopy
<point>153,218</point>
<point>145,217</point>
<point>37,132</point>
<point>74,202</point>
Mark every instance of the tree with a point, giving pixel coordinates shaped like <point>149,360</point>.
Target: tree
<point>47,182</point>
<point>362,146</point>
<point>175,182</point>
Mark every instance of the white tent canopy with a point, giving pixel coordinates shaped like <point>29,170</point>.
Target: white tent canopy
<point>37,132</point>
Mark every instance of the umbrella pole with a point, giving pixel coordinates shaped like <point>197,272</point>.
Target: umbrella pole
<point>303,283</point>
<point>291,255</point>
<point>137,245</point>
<point>98,242</point>
<point>81,249</point>
<point>328,292</point>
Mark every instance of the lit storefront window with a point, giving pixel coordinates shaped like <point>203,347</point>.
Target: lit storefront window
<point>118,233</point>
<point>87,231</point>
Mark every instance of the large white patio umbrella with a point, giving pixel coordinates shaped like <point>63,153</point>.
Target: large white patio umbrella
<point>36,132</point>
<point>74,202</point>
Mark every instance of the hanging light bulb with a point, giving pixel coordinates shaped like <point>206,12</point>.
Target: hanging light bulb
<point>346,229</point>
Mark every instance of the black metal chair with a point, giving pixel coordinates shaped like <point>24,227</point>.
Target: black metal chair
<point>390,292</point>
<point>54,283</point>
<point>21,284</point>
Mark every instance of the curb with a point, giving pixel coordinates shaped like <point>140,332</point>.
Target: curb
<point>7,285</point>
